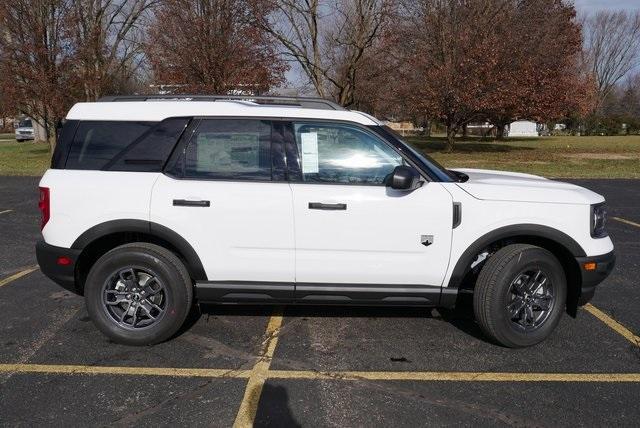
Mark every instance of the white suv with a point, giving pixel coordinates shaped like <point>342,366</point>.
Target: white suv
<point>153,203</point>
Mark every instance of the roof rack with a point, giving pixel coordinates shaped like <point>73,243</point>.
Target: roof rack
<point>315,103</point>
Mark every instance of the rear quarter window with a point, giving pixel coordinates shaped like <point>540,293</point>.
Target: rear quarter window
<point>96,143</point>
<point>122,146</point>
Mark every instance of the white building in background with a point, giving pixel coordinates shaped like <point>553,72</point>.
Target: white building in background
<point>523,128</point>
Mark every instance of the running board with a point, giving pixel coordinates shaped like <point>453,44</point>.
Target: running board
<point>242,292</point>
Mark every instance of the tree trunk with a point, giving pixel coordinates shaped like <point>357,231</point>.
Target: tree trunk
<point>451,135</point>
<point>500,128</point>
<point>464,130</point>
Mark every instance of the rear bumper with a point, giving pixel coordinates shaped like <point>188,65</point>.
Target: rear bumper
<point>63,275</point>
<point>591,278</point>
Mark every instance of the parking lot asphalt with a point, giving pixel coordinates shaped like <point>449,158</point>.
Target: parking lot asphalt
<point>313,366</point>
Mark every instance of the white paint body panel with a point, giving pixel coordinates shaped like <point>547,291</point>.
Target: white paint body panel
<point>376,240</point>
<point>245,235</point>
<point>480,217</point>
<point>156,111</point>
<point>518,187</point>
<point>83,199</point>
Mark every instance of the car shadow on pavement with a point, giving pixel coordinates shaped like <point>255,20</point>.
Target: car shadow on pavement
<point>461,317</point>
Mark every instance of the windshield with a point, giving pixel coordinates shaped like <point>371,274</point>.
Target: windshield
<point>441,172</point>
<point>26,123</point>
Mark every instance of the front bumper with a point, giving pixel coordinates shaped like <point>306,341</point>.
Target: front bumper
<point>591,278</point>
<point>63,275</point>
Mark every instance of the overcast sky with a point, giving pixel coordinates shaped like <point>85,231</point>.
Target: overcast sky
<point>595,5</point>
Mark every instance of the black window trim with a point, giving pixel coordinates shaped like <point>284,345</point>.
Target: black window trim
<point>65,145</point>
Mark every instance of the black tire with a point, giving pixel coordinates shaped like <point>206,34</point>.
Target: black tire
<point>501,283</point>
<point>150,262</point>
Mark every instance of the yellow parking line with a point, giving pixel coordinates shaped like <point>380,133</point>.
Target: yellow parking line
<point>252,396</point>
<point>5,211</point>
<point>114,370</point>
<point>613,324</point>
<point>15,276</point>
<point>622,220</point>
<point>458,376</point>
<point>259,374</point>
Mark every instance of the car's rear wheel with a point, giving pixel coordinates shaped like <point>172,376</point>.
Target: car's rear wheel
<point>520,295</point>
<point>138,294</point>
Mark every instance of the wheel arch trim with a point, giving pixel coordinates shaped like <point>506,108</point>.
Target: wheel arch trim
<point>192,260</point>
<point>512,231</point>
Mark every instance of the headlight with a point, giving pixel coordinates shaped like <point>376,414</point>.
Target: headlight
<point>598,220</point>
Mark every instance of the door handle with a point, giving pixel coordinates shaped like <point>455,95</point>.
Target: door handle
<point>330,207</point>
<point>188,203</point>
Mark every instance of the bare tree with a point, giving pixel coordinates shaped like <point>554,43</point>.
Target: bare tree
<point>108,37</point>
<point>328,40</point>
<point>612,47</point>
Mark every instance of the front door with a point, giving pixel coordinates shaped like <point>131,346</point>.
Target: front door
<point>350,229</point>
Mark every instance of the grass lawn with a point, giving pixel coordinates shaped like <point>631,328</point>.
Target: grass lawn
<point>27,158</point>
<point>561,157</point>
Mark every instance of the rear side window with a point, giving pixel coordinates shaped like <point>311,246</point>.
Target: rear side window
<point>118,146</point>
<point>150,152</point>
<point>230,150</point>
<point>97,143</point>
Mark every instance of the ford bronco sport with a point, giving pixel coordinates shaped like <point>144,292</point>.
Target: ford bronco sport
<point>151,204</point>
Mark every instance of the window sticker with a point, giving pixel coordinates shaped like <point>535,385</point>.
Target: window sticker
<point>309,142</point>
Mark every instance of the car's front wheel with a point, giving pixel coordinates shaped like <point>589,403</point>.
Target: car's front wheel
<point>520,295</point>
<point>138,294</point>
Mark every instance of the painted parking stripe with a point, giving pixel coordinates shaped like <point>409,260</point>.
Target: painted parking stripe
<point>613,324</point>
<point>310,375</point>
<point>259,374</point>
<point>129,371</point>
<point>458,376</point>
<point>625,221</point>
<point>5,212</point>
<point>20,274</point>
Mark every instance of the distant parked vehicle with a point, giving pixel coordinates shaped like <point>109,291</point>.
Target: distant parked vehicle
<point>24,131</point>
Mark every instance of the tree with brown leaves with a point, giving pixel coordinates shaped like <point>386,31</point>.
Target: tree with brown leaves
<point>36,66</point>
<point>496,59</point>
<point>210,46</point>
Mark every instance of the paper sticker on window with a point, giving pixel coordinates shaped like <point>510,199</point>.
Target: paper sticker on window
<point>309,142</point>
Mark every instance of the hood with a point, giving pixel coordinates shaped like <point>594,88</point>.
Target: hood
<point>513,186</point>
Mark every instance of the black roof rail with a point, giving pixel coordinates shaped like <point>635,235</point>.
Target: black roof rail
<point>303,102</point>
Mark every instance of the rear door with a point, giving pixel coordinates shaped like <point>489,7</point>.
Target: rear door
<point>228,199</point>
<point>356,238</point>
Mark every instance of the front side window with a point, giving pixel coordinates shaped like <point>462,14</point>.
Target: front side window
<point>343,154</point>
<point>230,150</point>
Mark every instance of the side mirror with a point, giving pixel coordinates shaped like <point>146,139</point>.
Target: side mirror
<point>403,178</point>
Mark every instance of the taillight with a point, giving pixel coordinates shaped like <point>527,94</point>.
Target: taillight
<point>45,206</point>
